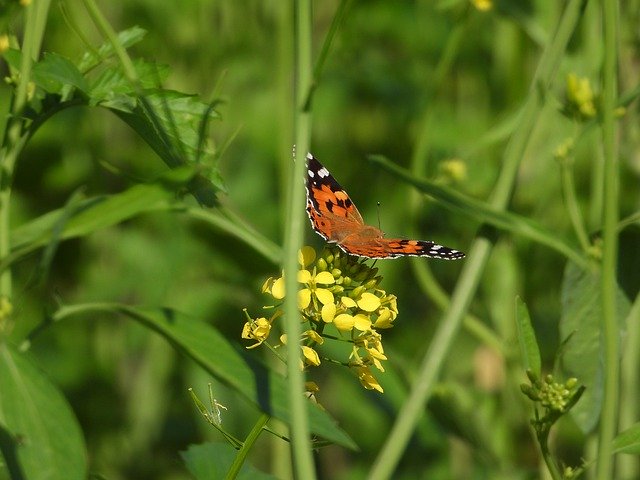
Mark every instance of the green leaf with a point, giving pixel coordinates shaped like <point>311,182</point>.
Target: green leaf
<point>127,38</point>
<point>628,441</point>
<point>113,90</point>
<point>529,351</point>
<point>54,72</point>
<point>212,460</point>
<point>87,216</point>
<point>13,57</point>
<point>583,354</point>
<point>482,212</point>
<point>170,123</point>
<point>208,348</point>
<point>39,436</point>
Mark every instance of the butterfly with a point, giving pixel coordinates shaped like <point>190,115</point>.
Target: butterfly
<point>334,217</point>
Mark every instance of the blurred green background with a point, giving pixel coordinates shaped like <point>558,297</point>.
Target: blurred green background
<point>129,387</point>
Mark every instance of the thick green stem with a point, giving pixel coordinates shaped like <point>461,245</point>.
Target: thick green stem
<point>303,460</point>
<point>610,328</point>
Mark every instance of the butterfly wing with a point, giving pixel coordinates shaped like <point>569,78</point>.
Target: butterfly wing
<point>332,213</point>
<point>399,247</point>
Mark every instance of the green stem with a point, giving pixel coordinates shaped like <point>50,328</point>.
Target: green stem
<point>628,465</point>
<point>471,323</point>
<point>610,327</point>
<point>478,254</point>
<point>247,445</point>
<point>571,202</point>
<point>302,458</point>
<point>326,47</point>
<point>554,471</point>
<point>105,29</point>
<point>14,137</point>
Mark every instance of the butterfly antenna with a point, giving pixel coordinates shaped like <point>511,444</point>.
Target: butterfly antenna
<point>379,226</point>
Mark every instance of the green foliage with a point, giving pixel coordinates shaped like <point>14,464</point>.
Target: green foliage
<point>40,436</point>
<point>212,460</point>
<point>124,196</point>
<point>582,356</point>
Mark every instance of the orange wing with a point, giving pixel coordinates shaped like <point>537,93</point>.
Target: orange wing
<point>332,213</point>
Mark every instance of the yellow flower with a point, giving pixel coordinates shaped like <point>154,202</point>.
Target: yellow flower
<point>367,379</point>
<point>258,329</point>
<point>341,290</point>
<point>482,5</point>
<point>368,302</point>
<point>311,291</point>
<point>274,287</point>
<point>314,336</point>
<point>372,344</point>
<point>306,256</point>
<point>4,43</point>
<point>580,97</point>
<point>344,322</point>
<point>5,308</point>
<point>310,356</point>
<point>453,169</point>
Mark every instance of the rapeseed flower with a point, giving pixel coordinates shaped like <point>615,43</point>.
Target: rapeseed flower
<point>340,299</point>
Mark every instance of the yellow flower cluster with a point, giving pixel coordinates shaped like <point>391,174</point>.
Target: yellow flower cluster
<point>581,101</point>
<point>339,299</point>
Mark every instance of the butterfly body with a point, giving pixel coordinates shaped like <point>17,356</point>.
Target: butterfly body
<point>334,216</point>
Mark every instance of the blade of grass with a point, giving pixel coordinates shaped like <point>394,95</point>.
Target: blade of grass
<point>484,212</point>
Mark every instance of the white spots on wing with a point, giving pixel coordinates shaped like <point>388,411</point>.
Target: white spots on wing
<point>436,247</point>
<point>309,156</point>
<point>323,172</point>
<point>311,173</point>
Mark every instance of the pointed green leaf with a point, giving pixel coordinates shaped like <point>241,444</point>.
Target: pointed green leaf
<point>40,437</point>
<point>529,351</point>
<point>482,212</point>
<point>54,72</point>
<point>86,216</point>
<point>127,38</point>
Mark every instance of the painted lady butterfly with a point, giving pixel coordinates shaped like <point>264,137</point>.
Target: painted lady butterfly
<point>335,218</point>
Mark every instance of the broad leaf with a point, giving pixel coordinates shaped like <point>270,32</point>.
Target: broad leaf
<point>54,72</point>
<point>583,355</point>
<point>39,436</point>
<point>208,348</point>
<point>213,460</point>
